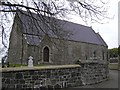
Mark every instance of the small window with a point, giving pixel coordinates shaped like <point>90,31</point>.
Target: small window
<point>107,56</point>
<point>103,54</point>
<point>94,54</point>
<point>86,57</point>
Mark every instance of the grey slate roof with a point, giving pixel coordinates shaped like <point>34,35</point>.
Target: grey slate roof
<point>101,39</point>
<point>83,33</point>
<point>79,32</point>
<point>32,39</point>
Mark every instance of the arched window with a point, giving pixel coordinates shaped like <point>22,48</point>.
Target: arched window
<point>94,53</point>
<point>86,57</point>
<point>103,55</point>
<point>46,54</point>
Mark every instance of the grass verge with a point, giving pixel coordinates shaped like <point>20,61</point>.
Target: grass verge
<point>113,66</point>
<point>19,65</point>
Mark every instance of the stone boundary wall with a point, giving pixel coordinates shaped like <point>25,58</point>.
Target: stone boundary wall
<point>54,77</point>
<point>92,73</point>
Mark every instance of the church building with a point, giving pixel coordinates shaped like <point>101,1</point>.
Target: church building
<point>27,39</point>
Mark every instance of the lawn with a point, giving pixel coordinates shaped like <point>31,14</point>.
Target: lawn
<point>19,65</point>
<point>113,66</point>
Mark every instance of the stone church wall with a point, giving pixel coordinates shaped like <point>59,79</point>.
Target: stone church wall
<point>15,45</point>
<point>68,52</point>
<point>61,51</point>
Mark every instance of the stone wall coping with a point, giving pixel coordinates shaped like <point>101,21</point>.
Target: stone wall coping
<point>94,61</point>
<point>24,68</point>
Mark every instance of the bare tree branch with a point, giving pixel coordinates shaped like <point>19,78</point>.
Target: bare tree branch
<point>87,10</point>
<point>18,5</point>
<point>3,37</point>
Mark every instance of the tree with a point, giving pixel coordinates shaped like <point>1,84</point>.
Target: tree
<point>113,52</point>
<point>119,56</point>
<point>88,10</point>
<point>119,51</point>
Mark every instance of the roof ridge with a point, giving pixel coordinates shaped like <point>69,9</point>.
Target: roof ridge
<point>101,39</point>
<point>57,19</point>
<point>75,23</point>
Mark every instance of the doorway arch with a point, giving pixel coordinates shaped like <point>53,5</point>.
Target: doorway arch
<point>46,54</point>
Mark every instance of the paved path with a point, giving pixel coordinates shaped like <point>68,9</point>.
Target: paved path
<point>111,83</point>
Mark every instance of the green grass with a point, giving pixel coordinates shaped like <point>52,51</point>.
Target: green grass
<point>19,65</point>
<point>16,65</point>
<point>41,65</point>
<point>113,66</point>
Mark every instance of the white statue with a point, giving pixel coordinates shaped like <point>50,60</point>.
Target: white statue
<point>30,61</point>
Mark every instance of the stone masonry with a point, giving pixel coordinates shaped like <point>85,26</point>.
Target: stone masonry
<point>54,78</point>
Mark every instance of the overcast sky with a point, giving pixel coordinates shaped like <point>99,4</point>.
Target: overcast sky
<point>119,23</point>
<point>108,31</point>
